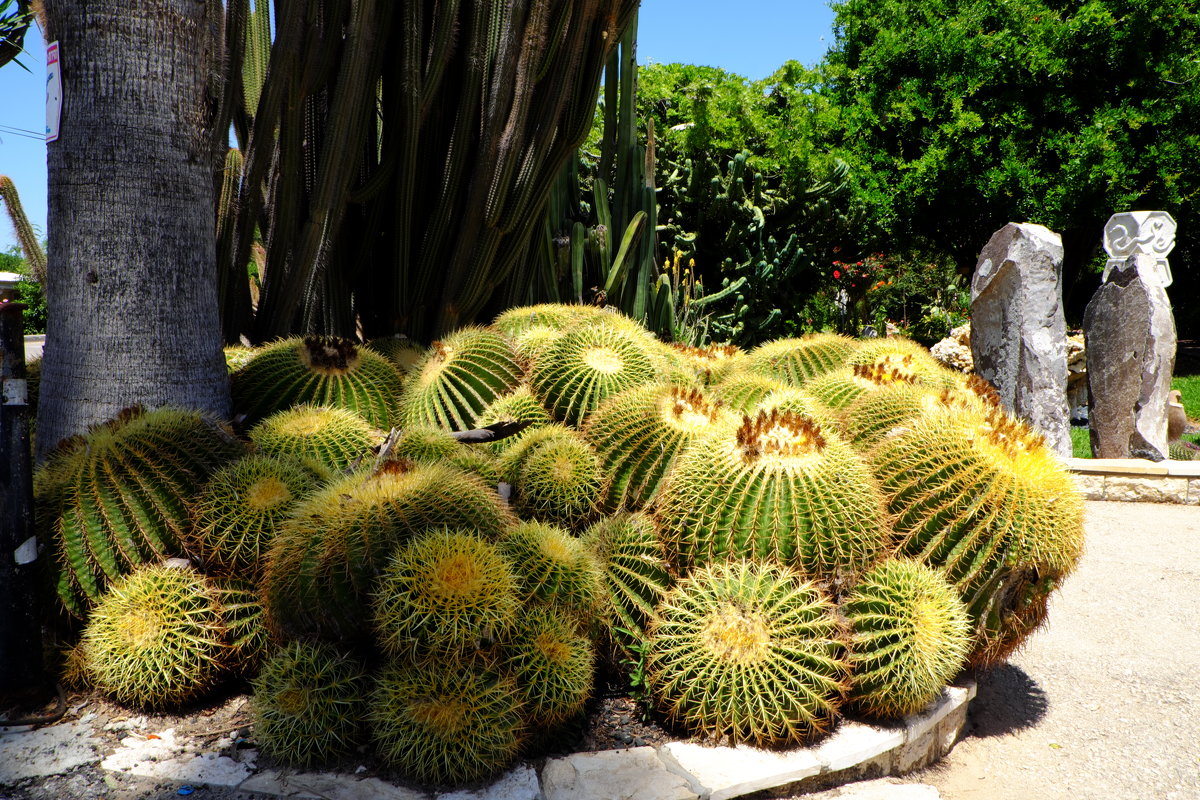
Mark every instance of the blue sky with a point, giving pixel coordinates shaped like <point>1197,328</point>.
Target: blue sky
<point>751,38</point>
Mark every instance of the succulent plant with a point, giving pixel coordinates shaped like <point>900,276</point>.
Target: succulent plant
<point>156,638</point>
<point>634,572</point>
<point>552,664</point>
<point>910,635</point>
<point>238,356</point>
<point>246,634</point>
<point>841,387</point>
<point>710,363</point>
<point>800,402</point>
<point>750,652</point>
<point>905,358</point>
<point>240,509</point>
<point>328,439</point>
<point>458,378</point>
<point>323,565</point>
<point>445,591</point>
<point>426,445</point>
<point>639,432</point>
<point>446,723</point>
<point>519,405</point>
<point>743,391</point>
<point>320,370</point>
<point>558,480</point>
<point>552,566</point>
<point>876,414</point>
<point>402,352</point>
<point>796,361</point>
<point>980,496</point>
<point>789,491</point>
<point>117,497</point>
<point>555,316</point>
<point>587,365</point>
<point>309,704</point>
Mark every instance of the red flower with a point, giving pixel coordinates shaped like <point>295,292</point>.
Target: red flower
<point>836,274</point>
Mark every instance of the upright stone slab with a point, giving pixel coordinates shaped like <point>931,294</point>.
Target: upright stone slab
<point>1018,330</point>
<point>1129,330</point>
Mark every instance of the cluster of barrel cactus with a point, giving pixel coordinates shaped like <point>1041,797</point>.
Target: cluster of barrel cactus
<point>780,534</point>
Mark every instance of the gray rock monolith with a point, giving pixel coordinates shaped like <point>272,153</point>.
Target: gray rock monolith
<point>1018,330</point>
<point>1129,330</point>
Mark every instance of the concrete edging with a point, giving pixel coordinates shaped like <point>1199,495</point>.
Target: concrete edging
<point>1136,480</point>
<point>674,771</point>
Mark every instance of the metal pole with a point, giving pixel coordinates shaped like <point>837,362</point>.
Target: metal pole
<point>22,675</point>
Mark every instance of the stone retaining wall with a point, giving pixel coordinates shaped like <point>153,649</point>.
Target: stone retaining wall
<point>1136,480</point>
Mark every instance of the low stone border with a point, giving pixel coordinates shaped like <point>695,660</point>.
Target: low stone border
<point>1137,480</point>
<point>675,771</point>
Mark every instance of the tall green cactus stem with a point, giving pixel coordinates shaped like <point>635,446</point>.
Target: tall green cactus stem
<point>446,723</point>
<point>635,574</point>
<point>117,497</point>
<point>325,371</point>
<point>910,635</point>
<point>447,591</point>
<point>553,567</point>
<point>156,638</point>
<point>309,704</point>
<point>796,361</point>
<point>639,432</point>
<point>327,439</point>
<point>790,491</point>
<point>458,378</point>
<point>240,509</point>
<point>982,498</point>
<point>552,664</point>
<point>323,566</point>
<point>750,652</point>
<point>586,366</point>
<point>26,236</point>
<point>561,481</point>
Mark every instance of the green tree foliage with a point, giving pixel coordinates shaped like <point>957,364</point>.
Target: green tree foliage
<point>961,115</point>
<point>747,191</point>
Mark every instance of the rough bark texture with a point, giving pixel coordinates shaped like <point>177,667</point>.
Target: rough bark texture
<point>1018,330</point>
<point>1129,332</point>
<point>131,287</point>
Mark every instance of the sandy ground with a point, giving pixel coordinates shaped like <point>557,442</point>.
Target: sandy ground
<point>1104,702</point>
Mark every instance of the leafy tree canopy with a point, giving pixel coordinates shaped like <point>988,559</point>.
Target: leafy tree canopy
<point>961,115</point>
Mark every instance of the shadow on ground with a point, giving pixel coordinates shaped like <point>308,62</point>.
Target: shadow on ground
<point>1008,700</point>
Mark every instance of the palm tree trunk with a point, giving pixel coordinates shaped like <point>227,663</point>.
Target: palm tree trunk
<point>131,285</point>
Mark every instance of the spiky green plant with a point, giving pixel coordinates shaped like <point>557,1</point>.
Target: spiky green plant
<point>796,361</point>
<point>458,378</point>
<point>245,627</point>
<point>800,402</point>
<point>910,635</point>
<point>587,365</point>
<point>905,357</point>
<point>321,370</point>
<point>240,509</point>
<point>73,670</point>
<point>403,353</point>
<point>446,723</point>
<point>750,652</point>
<point>875,414</point>
<point>555,316</point>
<point>633,566</point>
<point>156,639</point>
<point>445,591</point>
<point>512,458</point>
<point>238,356</point>
<point>709,363</point>
<point>561,481</point>
<point>552,664</point>
<point>117,497</point>
<point>328,439</point>
<point>552,566</point>
<point>841,387</point>
<point>323,565</point>
<point>309,704</point>
<point>979,496</point>
<point>533,341</point>
<point>744,391</point>
<point>789,491</point>
<point>426,445</point>
<point>639,432</point>
<point>519,405</point>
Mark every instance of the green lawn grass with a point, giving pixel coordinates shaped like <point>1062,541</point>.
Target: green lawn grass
<point>1189,388</point>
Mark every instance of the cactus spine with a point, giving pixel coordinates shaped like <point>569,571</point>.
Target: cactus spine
<point>328,439</point>
<point>634,569</point>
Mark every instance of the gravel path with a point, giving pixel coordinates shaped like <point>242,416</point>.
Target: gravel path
<point>1104,702</point>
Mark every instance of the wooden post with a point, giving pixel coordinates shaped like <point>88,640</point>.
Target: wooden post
<point>21,671</point>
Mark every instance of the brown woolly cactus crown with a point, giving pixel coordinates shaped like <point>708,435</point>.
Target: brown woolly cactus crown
<point>329,355</point>
<point>779,434</point>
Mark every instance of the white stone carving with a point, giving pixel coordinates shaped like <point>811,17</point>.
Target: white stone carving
<point>1132,233</point>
